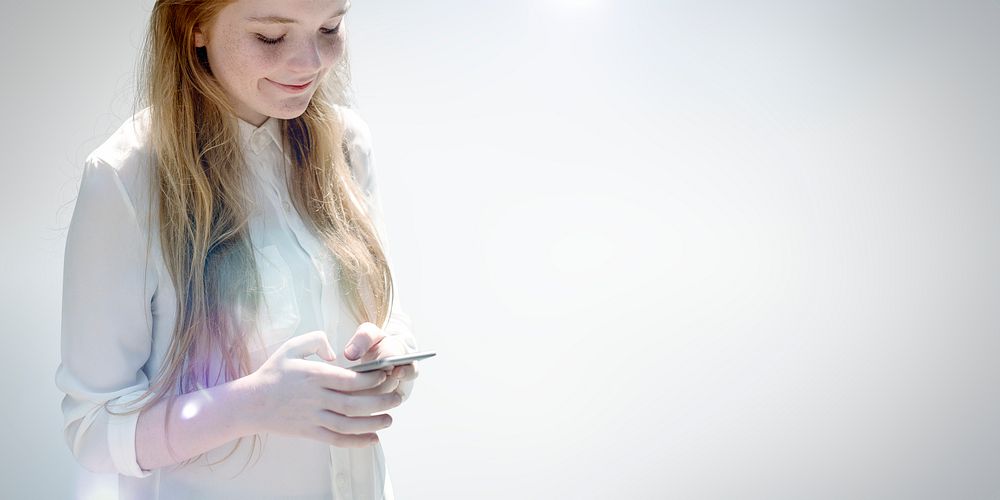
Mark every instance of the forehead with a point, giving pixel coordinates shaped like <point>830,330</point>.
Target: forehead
<point>286,11</point>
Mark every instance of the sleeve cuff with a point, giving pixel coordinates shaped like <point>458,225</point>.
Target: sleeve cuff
<point>121,438</point>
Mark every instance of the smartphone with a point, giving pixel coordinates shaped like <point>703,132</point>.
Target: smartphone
<point>391,361</point>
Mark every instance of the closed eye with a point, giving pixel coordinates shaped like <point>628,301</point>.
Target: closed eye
<point>325,31</point>
<point>269,41</point>
<point>332,31</point>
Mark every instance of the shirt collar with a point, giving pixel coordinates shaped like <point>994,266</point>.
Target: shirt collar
<point>257,138</point>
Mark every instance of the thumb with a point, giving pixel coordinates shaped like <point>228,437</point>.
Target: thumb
<point>314,342</point>
<point>365,337</point>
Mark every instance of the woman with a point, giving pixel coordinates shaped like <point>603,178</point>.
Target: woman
<point>225,233</point>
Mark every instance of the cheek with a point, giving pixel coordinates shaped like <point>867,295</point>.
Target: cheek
<point>261,57</point>
<point>335,50</point>
<point>240,63</point>
<point>243,64</point>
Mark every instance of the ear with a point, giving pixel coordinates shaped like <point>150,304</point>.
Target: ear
<point>199,37</point>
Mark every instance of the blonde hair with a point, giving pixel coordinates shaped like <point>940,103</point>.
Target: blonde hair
<point>204,206</point>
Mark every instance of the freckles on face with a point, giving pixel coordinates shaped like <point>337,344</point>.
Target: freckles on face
<point>250,69</point>
<point>240,64</point>
<point>243,63</point>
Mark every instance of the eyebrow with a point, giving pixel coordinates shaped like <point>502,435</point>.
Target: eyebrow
<point>285,20</point>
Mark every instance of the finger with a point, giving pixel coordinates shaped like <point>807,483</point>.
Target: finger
<point>314,342</point>
<point>387,386</point>
<point>341,379</point>
<point>352,405</point>
<point>339,440</point>
<point>404,372</point>
<point>384,388</point>
<point>367,336</point>
<point>353,425</point>
<point>408,372</point>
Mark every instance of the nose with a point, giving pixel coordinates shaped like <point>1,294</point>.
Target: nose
<point>307,58</point>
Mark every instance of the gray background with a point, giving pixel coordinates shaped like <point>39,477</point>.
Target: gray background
<point>664,249</point>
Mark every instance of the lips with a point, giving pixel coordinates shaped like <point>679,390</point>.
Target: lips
<point>294,84</point>
<point>295,89</point>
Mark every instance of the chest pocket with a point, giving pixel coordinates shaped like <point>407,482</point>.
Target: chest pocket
<point>279,316</point>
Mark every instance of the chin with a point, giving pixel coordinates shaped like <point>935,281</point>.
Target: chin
<point>288,114</point>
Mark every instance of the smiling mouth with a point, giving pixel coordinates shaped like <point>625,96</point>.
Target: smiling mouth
<point>299,86</point>
<point>293,87</point>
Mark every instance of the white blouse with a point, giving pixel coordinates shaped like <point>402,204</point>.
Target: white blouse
<point>119,313</point>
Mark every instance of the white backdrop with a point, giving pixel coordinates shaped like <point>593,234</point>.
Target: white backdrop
<point>664,249</point>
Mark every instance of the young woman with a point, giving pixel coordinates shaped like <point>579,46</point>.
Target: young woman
<point>224,237</point>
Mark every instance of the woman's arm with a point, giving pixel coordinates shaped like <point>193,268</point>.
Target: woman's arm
<point>357,134</point>
<point>106,335</point>
<point>107,340</point>
<point>198,422</point>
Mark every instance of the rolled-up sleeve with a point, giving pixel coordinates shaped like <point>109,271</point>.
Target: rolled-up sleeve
<point>359,146</point>
<point>106,324</point>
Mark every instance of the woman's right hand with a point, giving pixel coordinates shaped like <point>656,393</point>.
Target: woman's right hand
<point>298,397</point>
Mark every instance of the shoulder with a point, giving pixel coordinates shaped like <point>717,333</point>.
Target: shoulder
<point>127,154</point>
<point>356,129</point>
<point>358,145</point>
<point>128,147</point>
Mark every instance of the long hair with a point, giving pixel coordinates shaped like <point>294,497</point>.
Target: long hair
<point>204,207</point>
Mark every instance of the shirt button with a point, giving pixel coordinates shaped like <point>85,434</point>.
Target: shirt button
<point>341,479</point>
<point>288,206</point>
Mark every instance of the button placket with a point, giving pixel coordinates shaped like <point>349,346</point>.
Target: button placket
<point>264,163</point>
<point>340,479</point>
<point>304,241</point>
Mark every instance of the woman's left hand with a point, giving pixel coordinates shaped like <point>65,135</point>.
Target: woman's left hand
<point>372,343</point>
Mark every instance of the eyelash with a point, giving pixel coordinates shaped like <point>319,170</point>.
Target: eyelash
<point>272,41</point>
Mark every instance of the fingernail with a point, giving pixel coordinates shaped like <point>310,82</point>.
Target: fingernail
<point>352,350</point>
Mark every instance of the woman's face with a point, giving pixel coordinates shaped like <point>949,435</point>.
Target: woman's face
<point>258,47</point>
